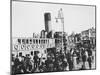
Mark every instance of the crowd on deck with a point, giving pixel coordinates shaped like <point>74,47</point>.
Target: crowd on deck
<point>73,59</point>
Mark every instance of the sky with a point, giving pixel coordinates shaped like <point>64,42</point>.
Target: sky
<point>28,18</point>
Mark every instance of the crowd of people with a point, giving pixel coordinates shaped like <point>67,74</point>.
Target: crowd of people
<point>73,59</point>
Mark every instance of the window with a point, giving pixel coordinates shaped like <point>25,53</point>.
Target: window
<point>27,41</point>
<point>19,41</point>
<point>44,41</point>
<point>23,41</point>
<point>39,41</point>
<point>30,41</point>
<point>36,41</point>
<point>33,41</point>
<point>48,41</point>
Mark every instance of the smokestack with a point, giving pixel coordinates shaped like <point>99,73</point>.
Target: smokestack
<point>47,17</point>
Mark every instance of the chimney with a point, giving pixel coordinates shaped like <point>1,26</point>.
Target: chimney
<point>47,18</point>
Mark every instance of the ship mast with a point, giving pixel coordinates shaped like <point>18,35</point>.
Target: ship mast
<point>61,17</point>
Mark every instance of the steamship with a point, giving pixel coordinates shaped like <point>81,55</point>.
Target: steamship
<point>38,44</point>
